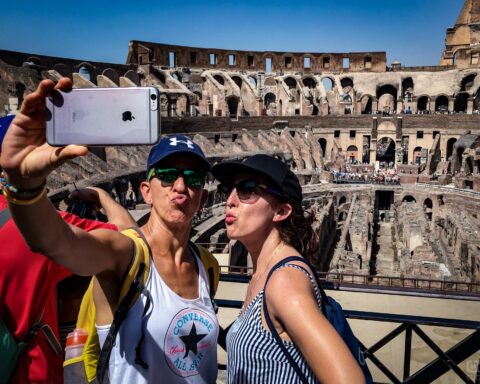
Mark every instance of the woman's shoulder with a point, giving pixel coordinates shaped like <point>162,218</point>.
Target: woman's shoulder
<point>290,281</point>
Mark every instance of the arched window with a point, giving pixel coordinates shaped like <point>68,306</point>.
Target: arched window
<point>328,84</point>
<point>441,104</point>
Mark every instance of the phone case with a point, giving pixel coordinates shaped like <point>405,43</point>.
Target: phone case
<point>103,116</point>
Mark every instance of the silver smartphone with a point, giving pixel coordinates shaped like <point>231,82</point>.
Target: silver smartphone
<point>103,116</point>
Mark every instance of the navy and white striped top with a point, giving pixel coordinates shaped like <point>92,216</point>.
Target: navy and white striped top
<point>253,354</point>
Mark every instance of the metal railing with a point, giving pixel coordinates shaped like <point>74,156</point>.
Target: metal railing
<point>444,361</point>
<point>241,274</point>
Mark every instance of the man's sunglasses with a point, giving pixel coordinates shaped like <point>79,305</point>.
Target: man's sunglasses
<point>246,191</point>
<point>168,176</point>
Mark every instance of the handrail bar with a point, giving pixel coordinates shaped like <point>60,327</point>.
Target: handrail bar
<point>385,317</point>
<point>242,274</point>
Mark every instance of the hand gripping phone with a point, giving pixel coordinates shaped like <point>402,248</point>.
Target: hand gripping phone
<point>103,116</point>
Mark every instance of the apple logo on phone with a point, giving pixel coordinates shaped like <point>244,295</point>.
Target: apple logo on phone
<point>127,116</point>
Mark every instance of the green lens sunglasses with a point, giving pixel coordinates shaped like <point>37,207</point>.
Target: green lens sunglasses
<point>168,176</point>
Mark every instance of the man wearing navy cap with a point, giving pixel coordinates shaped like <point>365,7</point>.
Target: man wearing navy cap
<point>170,331</point>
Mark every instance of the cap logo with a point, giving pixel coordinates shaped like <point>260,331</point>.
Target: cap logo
<point>174,141</point>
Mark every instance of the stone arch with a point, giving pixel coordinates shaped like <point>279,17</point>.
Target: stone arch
<point>177,76</point>
<point>441,103</point>
<point>387,97</point>
<point>219,79</point>
<point>112,75</point>
<point>232,104</point>
<point>132,76</point>
<point>323,145</point>
<point>35,60</point>
<point>347,84</point>
<point>386,149</point>
<point>237,80</point>
<point>407,89</point>
<point>450,145</point>
<point>423,103</point>
<point>427,208</point>
<point>428,203</point>
<point>309,82</point>
<point>328,83</point>
<point>468,167</point>
<point>352,154</point>
<point>417,155</point>
<point>86,70</point>
<point>467,82</point>
<point>253,81</point>
<point>63,69</point>
<point>270,81</point>
<point>199,94</point>
<point>409,199</point>
<point>366,102</point>
<point>460,103</point>
<point>268,99</point>
<point>342,215</point>
<point>342,200</point>
<point>459,153</point>
<point>291,82</point>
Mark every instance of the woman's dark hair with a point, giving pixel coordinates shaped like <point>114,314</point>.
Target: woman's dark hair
<point>298,232</point>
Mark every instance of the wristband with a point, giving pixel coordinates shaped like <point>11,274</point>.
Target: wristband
<point>14,198</point>
<point>21,196</point>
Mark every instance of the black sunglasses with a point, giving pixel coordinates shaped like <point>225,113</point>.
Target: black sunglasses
<point>168,176</point>
<point>246,190</point>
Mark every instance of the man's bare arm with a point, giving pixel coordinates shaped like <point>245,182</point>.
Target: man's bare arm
<point>116,214</point>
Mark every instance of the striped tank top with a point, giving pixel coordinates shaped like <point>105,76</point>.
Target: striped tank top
<point>253,354</point>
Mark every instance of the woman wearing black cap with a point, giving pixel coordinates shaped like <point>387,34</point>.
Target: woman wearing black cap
<point>264,211</point>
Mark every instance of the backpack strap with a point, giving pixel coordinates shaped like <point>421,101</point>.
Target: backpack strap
<point>211,266</point>
<point>269,322</point>
<point>136,287</point>
<point>4,216</point>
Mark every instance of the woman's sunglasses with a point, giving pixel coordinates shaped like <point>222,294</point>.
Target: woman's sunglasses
<point>168,176</point>
<point>246,191</point>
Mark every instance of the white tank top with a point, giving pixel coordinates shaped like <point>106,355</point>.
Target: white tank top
<point>180,344</point>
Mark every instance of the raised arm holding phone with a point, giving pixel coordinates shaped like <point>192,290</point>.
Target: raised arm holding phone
<point>177,351</point>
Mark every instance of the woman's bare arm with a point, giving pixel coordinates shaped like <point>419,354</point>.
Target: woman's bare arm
<point>27,159</point>
<point>294,309</point>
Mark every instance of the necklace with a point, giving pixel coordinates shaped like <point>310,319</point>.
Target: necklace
<point>275,251</point>
<point>254,280</point>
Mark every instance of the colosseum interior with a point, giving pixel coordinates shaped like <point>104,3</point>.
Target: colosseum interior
<point>388,155</point>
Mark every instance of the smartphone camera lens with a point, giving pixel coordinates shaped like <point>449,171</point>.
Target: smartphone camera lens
<point>153,97</point>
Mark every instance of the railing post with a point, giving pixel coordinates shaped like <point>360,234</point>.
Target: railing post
<point>407,353</point>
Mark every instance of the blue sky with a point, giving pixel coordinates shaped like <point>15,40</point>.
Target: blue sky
<point>412,31</point>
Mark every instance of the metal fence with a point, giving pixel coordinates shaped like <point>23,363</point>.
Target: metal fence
<point>443,362</point>
<point>335,278</point>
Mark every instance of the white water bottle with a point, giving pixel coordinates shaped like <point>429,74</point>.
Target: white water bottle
<point>75,342</point>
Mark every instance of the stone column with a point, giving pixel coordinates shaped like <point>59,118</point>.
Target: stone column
<point>470,105</point>
<point>451,103</point>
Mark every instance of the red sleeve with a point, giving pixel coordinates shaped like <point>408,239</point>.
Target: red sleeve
<point>85,224</point>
